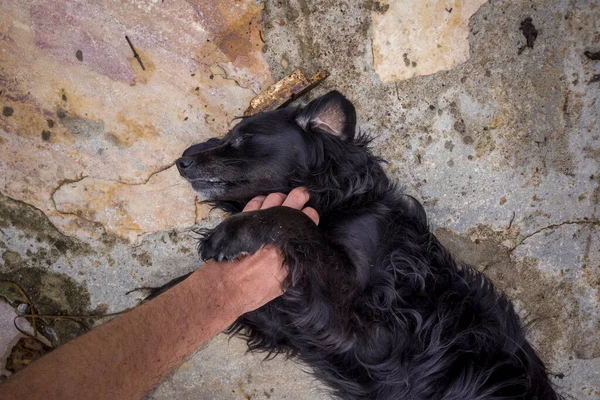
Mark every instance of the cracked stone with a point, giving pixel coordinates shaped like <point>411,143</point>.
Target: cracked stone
<point>104,117</point>
<point>131,210</point>
<point>593,222</point>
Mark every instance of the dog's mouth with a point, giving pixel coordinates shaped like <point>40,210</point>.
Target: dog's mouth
<point>212,187</point>
<point>206,180</point>
<point>213,181</point>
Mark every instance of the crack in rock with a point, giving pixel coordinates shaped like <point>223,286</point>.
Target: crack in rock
<point>129,210</point>
<point>555,226</point>
<point>225,76</point>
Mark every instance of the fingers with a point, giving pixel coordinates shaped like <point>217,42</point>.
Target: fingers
<point>273,200</point>
<point>297,198</point>
<point>312,214</point>
<point>255,204</point>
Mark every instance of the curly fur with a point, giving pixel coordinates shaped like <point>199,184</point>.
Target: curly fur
<point>374,303</point>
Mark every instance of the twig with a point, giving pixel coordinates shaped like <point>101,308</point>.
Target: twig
<point>34,315</point>
<point>135,54</point>
<point>29,303</point>
<point>25,333</point>
<point>511,220</point>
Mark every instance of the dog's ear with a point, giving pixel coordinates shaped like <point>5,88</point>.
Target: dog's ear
<point>332,113</point>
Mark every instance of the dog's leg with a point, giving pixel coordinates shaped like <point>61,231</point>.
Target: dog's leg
<point>290,230</point>
<point>319,287</point>
<point>245,233</point>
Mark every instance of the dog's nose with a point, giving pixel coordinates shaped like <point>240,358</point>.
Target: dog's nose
<point>184,163</point>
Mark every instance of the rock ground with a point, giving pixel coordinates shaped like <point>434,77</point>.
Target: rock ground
<point>503,150</point>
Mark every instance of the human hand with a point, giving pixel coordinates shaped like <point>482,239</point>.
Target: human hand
<point>254,280</point>
<point>297,198</point>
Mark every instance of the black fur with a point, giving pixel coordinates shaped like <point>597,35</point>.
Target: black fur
<point>374,303</point>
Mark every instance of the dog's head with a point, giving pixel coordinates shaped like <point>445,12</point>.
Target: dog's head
<point>261,153</point>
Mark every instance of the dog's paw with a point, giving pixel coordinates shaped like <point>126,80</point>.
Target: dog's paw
<point>247,232</point>
<point>222,254</point>
<point>229,240</point>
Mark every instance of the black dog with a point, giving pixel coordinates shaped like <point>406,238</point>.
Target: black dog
<point>374,303</point>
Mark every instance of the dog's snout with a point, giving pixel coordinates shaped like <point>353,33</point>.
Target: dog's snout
<point>200,147</point>
<point>184,163</point>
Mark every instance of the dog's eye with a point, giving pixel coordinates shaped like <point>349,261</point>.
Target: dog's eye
<point>238,141</point>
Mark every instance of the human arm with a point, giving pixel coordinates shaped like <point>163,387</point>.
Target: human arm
<point>126,357</point>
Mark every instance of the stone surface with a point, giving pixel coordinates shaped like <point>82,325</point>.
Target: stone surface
<point>83,107</point>
<point>162,202</point>
<point>223,370</point>
<point>502,149</point>
<point>415,38</point>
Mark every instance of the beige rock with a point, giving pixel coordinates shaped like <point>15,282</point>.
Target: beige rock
<point>83,107</point>
<point>164,202</point>
<point>415,38</point>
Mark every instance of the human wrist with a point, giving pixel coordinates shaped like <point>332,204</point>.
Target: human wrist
<point>248,283</point>
<point>221,284</point>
